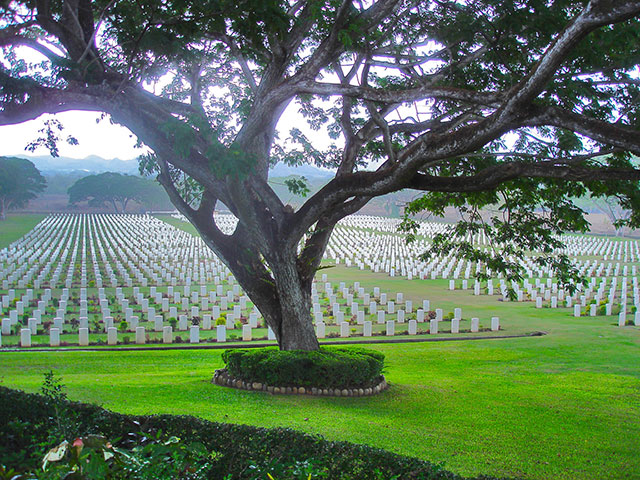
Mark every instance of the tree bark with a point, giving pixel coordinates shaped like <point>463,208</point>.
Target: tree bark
<point>294,327</point>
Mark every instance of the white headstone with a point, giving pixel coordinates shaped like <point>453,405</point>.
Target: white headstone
<point>391,328</point>
<point>140,335</point>
<point>367,328</point>
<point>194,333</point>
<point>83,337</point>
<point>32,324</point>
<point>413,327</point>
<point>433,326</point>
<point>246,333</point>
<point>320,329</point>
<point>344,329</point>
<point>495,323</point>
<point>167,334</point>
<point>475,324</point>
<point>408,306</point>
<point>112,336</point>
<point>455,325</point>
<point>157,324</point>
<point>25,337</point>
<point>6,326</point>
<point>54,337</point>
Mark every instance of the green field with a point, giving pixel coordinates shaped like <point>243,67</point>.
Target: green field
<point>15,226</point>
<point>563,405</point>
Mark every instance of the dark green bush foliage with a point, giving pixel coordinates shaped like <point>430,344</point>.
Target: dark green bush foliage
<point>241,451</point>
<point>325,368</point>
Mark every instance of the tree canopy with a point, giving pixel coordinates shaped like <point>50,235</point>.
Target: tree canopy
<point>520,104</point>
<point>20,181</point>
<point>114,189</point>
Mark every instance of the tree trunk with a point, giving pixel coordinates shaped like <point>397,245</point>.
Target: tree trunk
<point>294,327</point>
<point>3,214</point>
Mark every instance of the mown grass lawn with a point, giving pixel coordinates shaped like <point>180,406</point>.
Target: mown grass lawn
<point>565,405</point>
<point>17,225</point>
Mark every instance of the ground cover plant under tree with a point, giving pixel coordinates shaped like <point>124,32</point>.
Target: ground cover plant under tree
<point>324,368</point>
<point>425,90</point>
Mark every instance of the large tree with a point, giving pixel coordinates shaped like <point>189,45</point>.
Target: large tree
<point>20,181</point>
<point>111,188</point>
<point>522,104</point>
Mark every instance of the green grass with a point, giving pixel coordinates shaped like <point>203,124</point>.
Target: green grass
<point>565,405</point>
<point>17,225</point>
<point>187,227</point>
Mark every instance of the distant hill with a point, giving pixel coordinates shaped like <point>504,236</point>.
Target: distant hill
<point>91,164</point>
<point>96,164</point>
<point>310,172</point>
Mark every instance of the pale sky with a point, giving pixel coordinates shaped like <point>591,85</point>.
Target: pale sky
<point>102,139</point>
<point>107,140</point>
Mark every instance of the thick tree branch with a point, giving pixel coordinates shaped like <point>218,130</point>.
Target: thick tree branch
<point>20,40</point>
<point>472,97</point>
<point>311,255</point>
<point>492,177</point>
<point>618,135</point>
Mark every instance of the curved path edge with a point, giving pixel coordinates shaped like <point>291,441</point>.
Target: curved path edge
<point>223,346</point>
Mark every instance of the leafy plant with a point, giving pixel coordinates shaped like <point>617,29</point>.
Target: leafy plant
<point>325,368</point>
<point>93,457</point>
<point>53,390</point>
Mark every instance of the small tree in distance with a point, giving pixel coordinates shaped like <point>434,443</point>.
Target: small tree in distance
<point>109,188</point>
<point>20,181</point>
<point>519,104</point>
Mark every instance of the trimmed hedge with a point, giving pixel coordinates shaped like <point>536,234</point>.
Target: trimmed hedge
<point>28,430</point>
<point>324,368</point>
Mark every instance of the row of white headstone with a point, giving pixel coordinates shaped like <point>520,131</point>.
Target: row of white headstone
<point>158,253</point>
<point>247,332</point>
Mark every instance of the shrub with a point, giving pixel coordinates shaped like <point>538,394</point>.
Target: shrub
<point>324,368</point>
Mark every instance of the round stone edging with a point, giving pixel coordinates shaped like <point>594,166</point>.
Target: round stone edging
<point>221,378</point>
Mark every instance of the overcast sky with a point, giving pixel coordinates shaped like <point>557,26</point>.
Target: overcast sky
<point>102,139</point>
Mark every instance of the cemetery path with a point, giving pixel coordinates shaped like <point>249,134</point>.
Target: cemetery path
<point>261,345</point>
